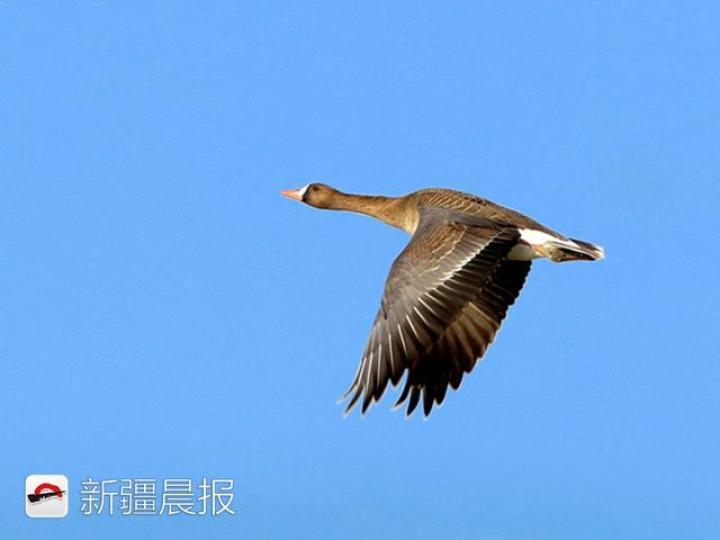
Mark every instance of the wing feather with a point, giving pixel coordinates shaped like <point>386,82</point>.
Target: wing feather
<point>445,298</point>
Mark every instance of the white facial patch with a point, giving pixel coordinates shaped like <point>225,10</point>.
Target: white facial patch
<point>302,190</point>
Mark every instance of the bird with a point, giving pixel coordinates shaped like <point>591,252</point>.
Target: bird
<point>448,291</point>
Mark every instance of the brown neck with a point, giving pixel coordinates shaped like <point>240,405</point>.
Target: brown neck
<point>390,210</point>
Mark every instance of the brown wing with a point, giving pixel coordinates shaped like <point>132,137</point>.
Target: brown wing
<point>465,340</point>
<point>444,300</point>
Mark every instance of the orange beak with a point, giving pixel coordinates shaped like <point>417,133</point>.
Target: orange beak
<point>296,194</point>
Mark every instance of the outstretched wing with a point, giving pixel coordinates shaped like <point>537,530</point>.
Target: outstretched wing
<point>445,298</point>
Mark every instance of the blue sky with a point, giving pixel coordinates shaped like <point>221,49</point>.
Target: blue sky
<point>167,314</point>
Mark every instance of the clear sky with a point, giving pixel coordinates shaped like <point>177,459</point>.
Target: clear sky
<point>165,313</point>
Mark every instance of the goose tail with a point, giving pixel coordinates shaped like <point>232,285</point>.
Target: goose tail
<point>573,250</point>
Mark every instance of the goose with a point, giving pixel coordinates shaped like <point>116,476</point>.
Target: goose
<point>448,291</point>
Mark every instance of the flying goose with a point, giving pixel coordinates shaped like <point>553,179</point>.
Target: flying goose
<point>448,291</point>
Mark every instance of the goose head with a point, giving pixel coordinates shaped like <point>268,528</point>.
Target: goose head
<point>314,194</point>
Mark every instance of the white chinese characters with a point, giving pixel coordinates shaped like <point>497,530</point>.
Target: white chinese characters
<point>148,496</point>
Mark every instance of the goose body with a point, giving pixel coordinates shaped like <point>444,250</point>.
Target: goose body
<point>448,291</point>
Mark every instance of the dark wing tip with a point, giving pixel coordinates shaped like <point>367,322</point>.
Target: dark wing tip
<point>414,400</point>
<point>353,400</point>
